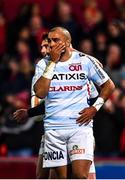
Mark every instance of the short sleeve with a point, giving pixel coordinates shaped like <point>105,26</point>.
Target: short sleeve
<point>40,67</point>
<point>95,72</point>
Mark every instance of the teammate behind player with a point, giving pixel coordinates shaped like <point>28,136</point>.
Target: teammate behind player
<point>37,108</point>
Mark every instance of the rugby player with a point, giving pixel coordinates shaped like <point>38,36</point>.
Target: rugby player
<point>62,81</point>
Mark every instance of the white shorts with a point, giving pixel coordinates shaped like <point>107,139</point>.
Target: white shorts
<point>63,145</point>
<point>41,150</point>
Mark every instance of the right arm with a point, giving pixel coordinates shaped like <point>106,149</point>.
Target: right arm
<point>41,87</point>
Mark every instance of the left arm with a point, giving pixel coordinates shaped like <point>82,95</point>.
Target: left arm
<point>87,114</point>
<point>107,86</point>
<point>107,89</point>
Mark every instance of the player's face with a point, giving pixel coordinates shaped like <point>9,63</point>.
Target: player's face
<point>44,48</point>
<point>56,37</point>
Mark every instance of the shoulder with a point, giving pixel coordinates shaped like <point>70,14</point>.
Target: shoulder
<point>91,60</point>
<point>79,55</point>
<point>84,58</point>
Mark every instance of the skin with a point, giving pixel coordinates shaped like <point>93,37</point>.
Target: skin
<point>20,115</point>
<point>41,173</point>
<point>59,41</point>
<point>44,48</point>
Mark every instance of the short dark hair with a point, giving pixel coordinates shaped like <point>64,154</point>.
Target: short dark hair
<point>65,31</point>
<point>44,36</point>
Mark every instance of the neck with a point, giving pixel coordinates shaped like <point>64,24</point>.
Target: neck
<point>66,55</point>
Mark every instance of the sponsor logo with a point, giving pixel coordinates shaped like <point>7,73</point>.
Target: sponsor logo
<point>76,150</point>
<point>53,155</point>
<point>75,67</point>
<point>75,76</point>
<point>65,88</point>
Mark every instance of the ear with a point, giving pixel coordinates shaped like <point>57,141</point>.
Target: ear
<point>68,43</point>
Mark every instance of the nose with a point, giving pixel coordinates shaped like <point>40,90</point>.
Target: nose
<point>48,50</point>
<point>43,50</point>
<point>51,44</point>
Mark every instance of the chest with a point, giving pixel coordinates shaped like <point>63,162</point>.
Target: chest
<point>69,73</point>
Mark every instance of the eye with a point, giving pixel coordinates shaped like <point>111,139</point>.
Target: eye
<point>56,40</point>
<point>46,46</point>
<point>49,40</point>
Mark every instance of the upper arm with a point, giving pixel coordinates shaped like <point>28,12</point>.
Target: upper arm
<point>95,72</point>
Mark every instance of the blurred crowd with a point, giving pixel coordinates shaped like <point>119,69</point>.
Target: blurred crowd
<point>98,29</point>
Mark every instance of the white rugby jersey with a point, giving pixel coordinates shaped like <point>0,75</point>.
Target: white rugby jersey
<point>68,90</point>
